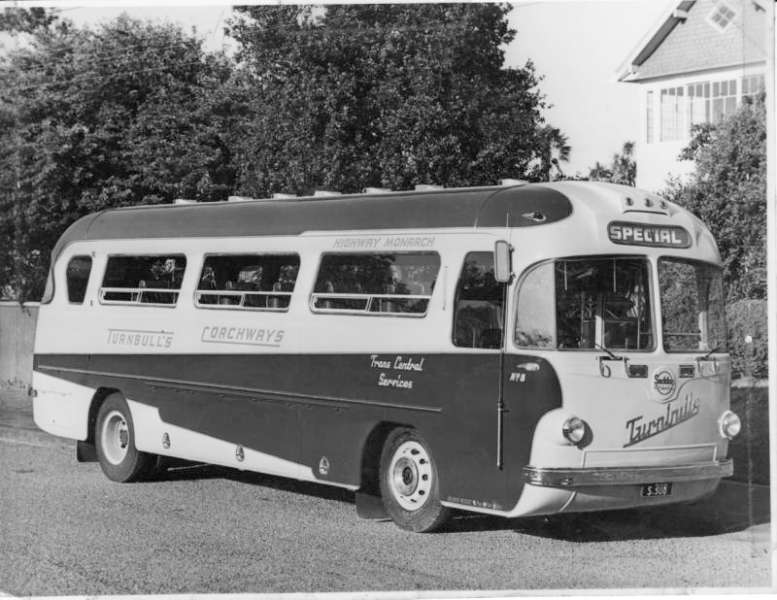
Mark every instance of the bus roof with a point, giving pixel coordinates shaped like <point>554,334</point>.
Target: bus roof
<point>514,206</point>
<point>458,207</point>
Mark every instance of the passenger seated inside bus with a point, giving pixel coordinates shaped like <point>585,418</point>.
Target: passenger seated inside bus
<point>229,299</point>
<point>163,275</point>
<point>207,282</point>
<point>250,279</point>
<point>393,285</point>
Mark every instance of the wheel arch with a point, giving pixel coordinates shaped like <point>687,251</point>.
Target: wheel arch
<point>100,394</point>
<point>370,454</point>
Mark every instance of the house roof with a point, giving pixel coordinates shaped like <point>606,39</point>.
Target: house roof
<point>684,41</point>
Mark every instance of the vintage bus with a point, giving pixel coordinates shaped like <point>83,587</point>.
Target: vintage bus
<point>516,350</point>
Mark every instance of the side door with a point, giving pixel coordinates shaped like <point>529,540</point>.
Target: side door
<point>466,439</point>
<point>531,386</point>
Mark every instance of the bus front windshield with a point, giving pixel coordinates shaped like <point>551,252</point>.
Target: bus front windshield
<point>692,306</point>
<point>600,302</point>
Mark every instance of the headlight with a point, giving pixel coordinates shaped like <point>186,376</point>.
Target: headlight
<point>574,429</point>
<point>730,424</point>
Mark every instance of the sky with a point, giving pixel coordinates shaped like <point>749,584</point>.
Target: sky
<point>575,45</point>
<point>578,46</point>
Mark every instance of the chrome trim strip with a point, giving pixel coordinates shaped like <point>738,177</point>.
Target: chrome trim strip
<point>582,477</point>
<point>253,393</point>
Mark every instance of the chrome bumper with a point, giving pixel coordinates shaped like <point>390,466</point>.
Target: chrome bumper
<point>582,477</point>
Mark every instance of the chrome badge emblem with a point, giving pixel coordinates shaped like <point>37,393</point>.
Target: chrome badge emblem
<point>323,466</point>
<point>664,382</point>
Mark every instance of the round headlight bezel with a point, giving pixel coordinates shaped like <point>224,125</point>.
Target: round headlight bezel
<point>574,430</point>
<point>730,425</point>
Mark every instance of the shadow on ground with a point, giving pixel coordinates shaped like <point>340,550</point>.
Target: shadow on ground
<point>734,507</point>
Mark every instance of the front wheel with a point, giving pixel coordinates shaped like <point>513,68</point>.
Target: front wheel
<point>408,483</point>
<point>114,438</point>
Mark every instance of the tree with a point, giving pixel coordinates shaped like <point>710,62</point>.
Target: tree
<point>728,192</point>
<point>382,95</point>
<point>552,148</point>
<point>622,169</point>
<point>130,113</point>
<point>20,20</point>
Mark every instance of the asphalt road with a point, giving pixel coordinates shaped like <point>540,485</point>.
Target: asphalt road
<point>66,529</point>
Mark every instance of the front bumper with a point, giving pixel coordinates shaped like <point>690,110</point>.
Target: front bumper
<point>587,477</point>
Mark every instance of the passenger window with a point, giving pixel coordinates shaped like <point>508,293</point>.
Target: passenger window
<point>478,308</point>
<point>396,284</point>
<point>143,279</point>
<point>78,270</point>
<point>535,323</point>
<point>248,281</point>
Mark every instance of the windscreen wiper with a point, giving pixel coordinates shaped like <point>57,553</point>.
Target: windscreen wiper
<point>706,356</point>
<point>609,352</point>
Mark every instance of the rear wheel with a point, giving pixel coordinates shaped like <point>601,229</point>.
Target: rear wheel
<point>409,484</point>
<point>115,442</point>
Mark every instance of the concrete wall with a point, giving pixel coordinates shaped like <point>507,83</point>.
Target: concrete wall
<point>17,333</point>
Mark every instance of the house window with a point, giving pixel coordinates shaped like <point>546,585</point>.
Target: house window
<point>721,16</point>
<point>724,100</point>
<point>649,121</point>
<point>698,103</point>
<point>752,86</point>
<point>672,114</point>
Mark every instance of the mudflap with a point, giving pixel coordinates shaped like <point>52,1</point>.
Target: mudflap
<point>370,506</point>
<point>85,452</point>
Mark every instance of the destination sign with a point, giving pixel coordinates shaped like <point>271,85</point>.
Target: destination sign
<point>639,234</point>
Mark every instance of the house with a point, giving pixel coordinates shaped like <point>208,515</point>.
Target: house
<point>697,65</point>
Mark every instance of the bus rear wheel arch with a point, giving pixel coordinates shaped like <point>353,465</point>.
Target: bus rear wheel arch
<point>114,438</point>
<point>409,484</point>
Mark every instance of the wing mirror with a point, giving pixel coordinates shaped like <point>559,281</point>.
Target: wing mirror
<point>503,268</point>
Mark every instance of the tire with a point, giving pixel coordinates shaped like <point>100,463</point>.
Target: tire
<point>114,437</point>
<point>409,483</point>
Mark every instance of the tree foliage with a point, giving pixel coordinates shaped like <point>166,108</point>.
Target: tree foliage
<point>749,355</point>
<point>382,95</point>
<point>551,148</point>
<point>339,97</point>
<point>622,168</point>
<point>728,192</point>
<point>26,20</point>
<point>128,114</point>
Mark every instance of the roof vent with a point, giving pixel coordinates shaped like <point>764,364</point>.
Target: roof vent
<point>506,182</point>
<point>184,201</point>
<point>425,187</point>
<point>376,190</point>
<point>324,193</point>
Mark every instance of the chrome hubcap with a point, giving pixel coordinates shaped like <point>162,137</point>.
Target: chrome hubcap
<point>410,475</point>
<point>114,437</point>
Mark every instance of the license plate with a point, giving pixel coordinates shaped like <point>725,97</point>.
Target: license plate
<point>650,490</point>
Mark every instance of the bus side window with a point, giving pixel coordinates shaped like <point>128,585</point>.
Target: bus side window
<point>387,284</point>
<point>535,322</point>
<point>247,281</point>
<point>478,307</point>
<point>143,279</point>
<point>78,270</point>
